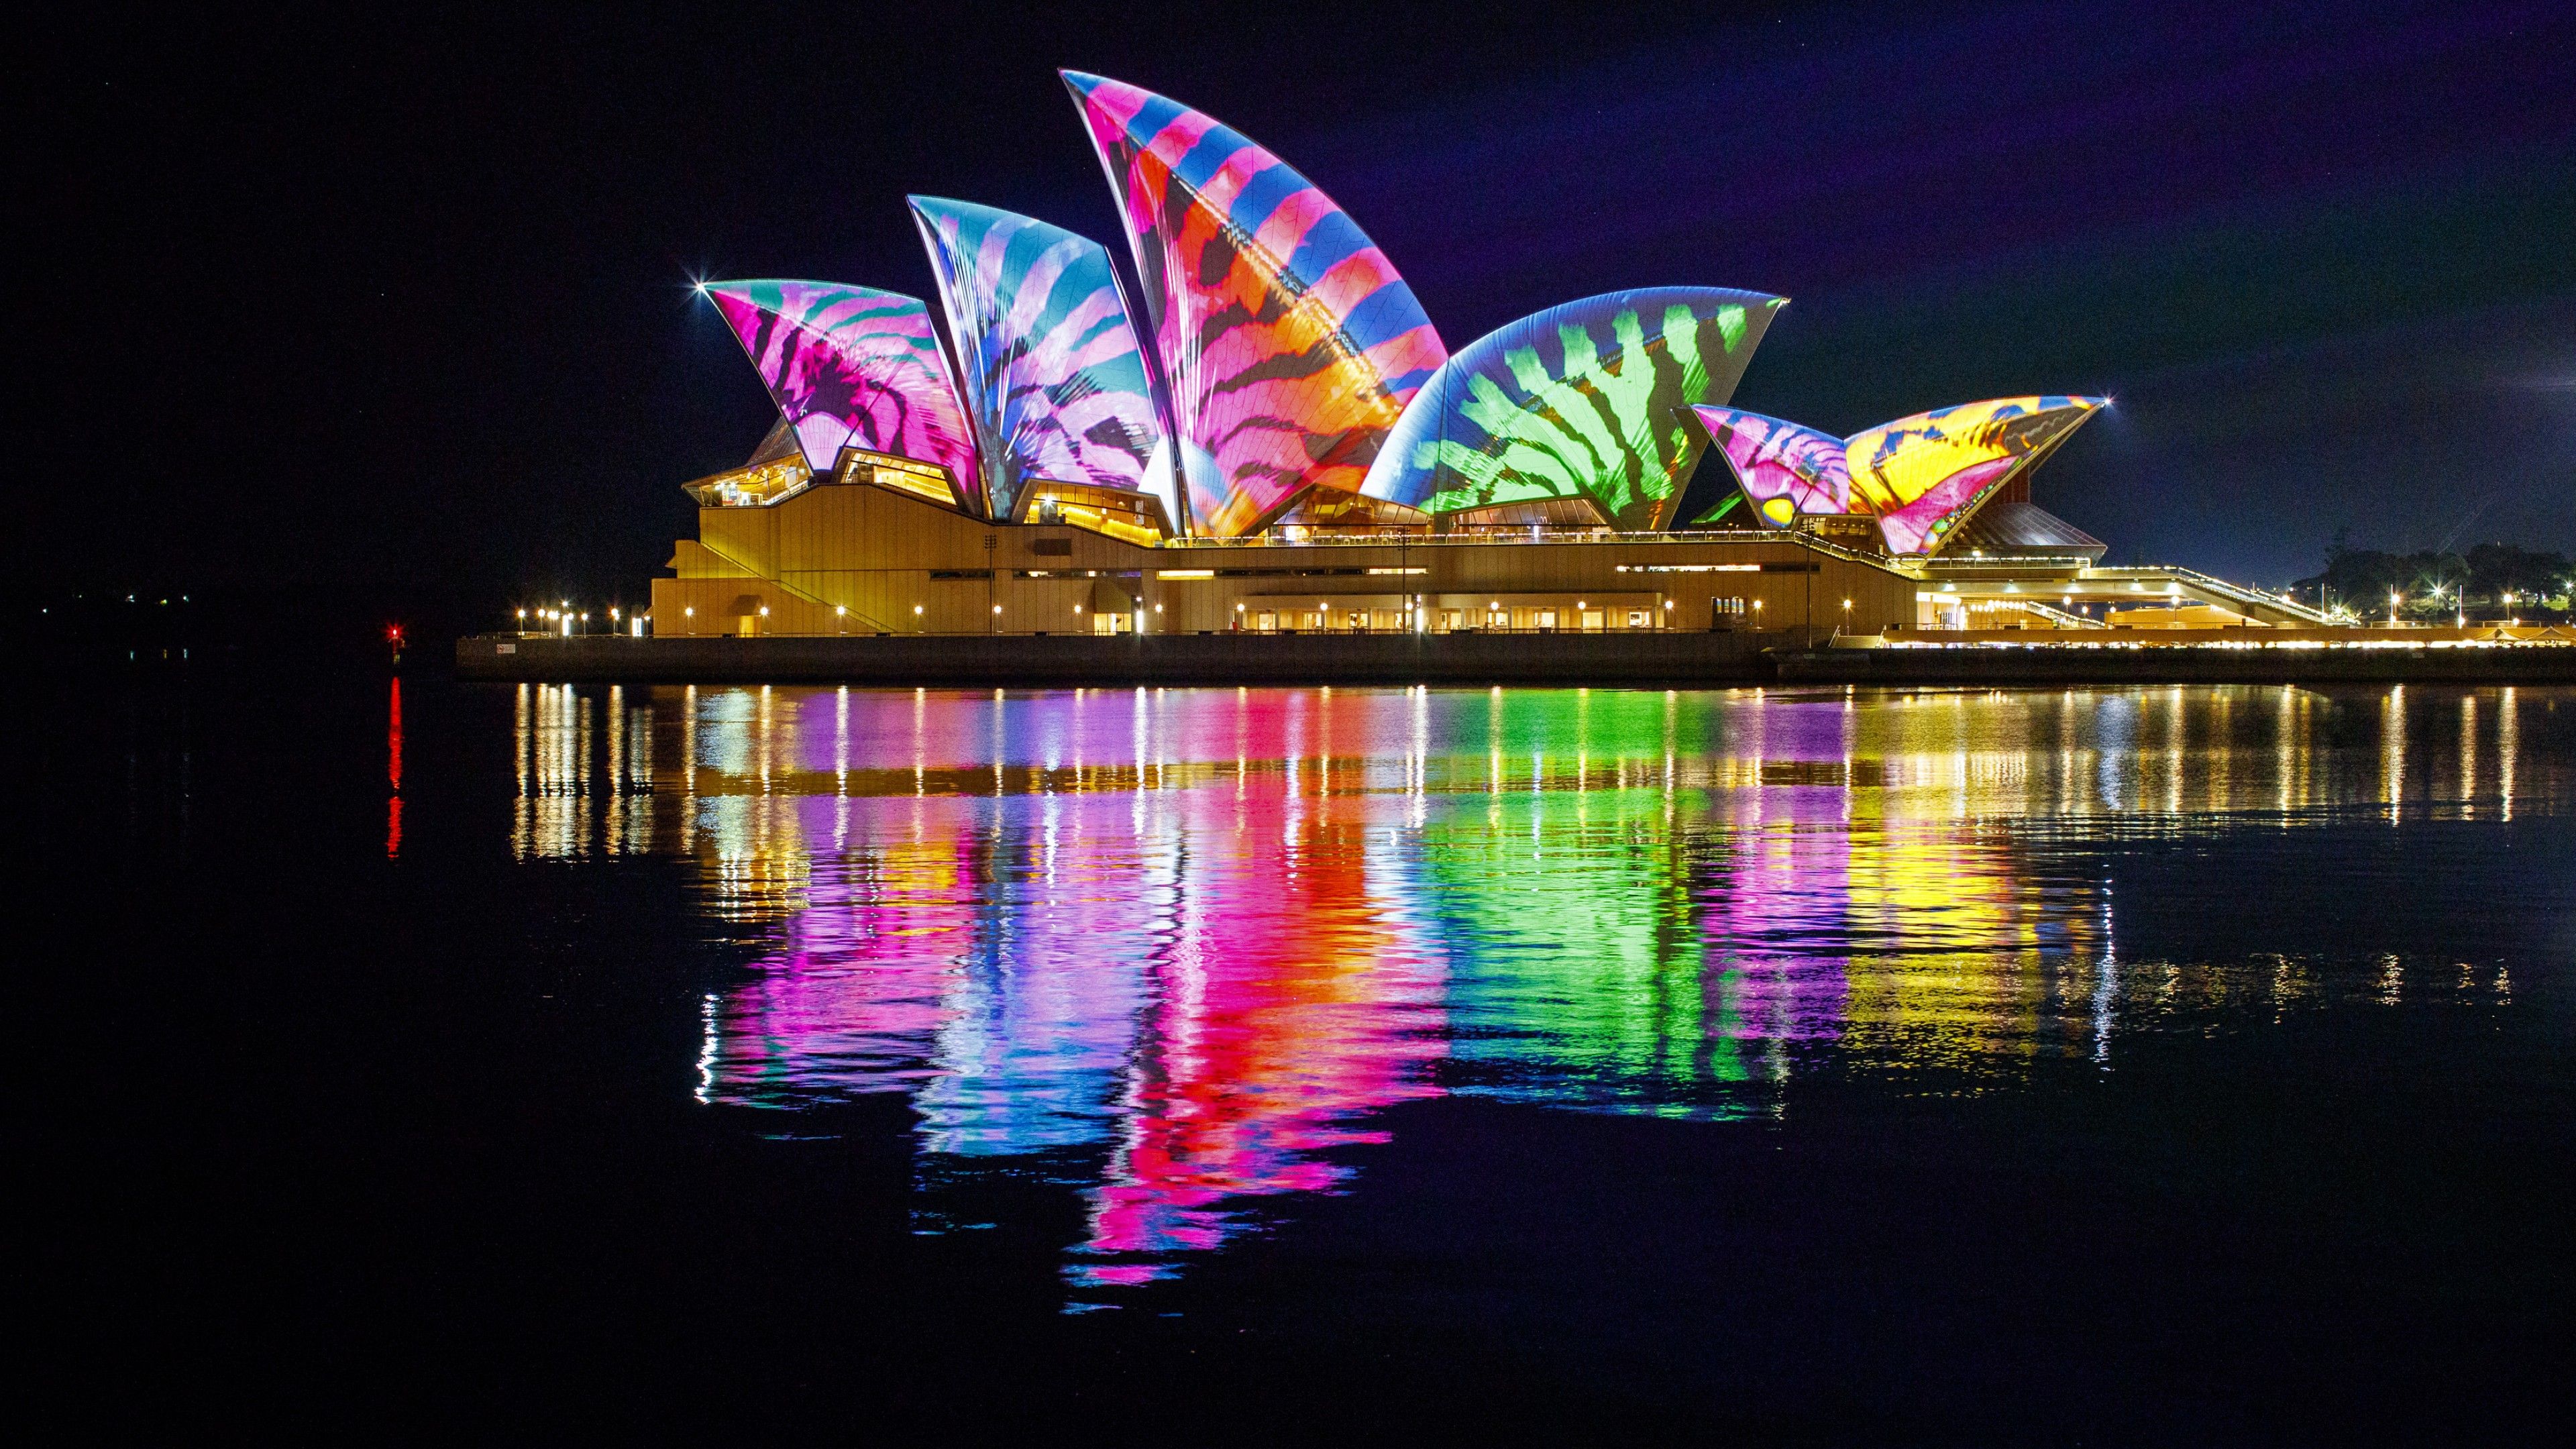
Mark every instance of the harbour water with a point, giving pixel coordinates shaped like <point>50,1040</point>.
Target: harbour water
<point>1810,1063</point>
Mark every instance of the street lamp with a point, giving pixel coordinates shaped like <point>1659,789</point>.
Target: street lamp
<point>2392,608</point>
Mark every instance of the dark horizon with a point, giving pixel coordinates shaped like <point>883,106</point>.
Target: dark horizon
<point>412,300</point>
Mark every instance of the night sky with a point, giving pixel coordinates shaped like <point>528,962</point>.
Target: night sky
<point>350,307</point>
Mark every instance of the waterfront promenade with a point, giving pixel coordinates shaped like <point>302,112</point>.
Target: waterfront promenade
<point>1639,658</point>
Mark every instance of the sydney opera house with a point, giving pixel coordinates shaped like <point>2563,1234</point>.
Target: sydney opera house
<point>1268,435</point>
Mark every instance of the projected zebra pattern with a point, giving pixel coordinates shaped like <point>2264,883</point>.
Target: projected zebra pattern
<point>1582,400</point>
<point>853,367</point>
<point>1288,341</point>
<point>1053,377</point>
<point>1784,469</point>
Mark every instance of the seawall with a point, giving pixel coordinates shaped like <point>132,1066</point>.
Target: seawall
<point>2182,664</point>
<point>1068,660</point>
<point>1661,658</point>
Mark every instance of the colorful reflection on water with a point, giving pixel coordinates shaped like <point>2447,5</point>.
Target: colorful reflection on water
<point>1176,948</point>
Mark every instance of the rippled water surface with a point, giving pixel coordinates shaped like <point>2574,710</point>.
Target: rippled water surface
<point>1172,949</point>
<point>1575,1034</point>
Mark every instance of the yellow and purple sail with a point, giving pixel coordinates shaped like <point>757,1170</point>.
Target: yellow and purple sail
<point>1925,475</point>
<point>1921,477</point>
<point>1289,344</point>
<point>1581,401</point>
<point>1783,469</point>
<point>1055,382</point>
<point>854,367</point>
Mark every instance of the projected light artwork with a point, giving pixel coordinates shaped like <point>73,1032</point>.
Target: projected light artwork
<point>853,367</point>
<point>1053,375</point>
<point>1926,474</point>
<point>1782,468</point>
<point>1287,380</point>
<point>1290,343</point>
<point>1579,401</point>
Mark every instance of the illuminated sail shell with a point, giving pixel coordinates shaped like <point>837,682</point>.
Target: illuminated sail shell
<point>854,367</point>
<point>1925,475</point>
<point>1289,344</point>
<point>1582,400</point>
<point>1784,469</point>
<point>1053,377</point>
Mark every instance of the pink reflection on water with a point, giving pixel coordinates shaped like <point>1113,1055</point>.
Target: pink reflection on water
<point>1301,997</point>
